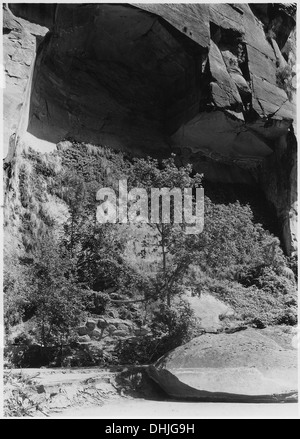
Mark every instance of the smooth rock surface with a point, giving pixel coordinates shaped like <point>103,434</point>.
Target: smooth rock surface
<point>208,310</point>
<point>20,42</point>
<point>251,365</point>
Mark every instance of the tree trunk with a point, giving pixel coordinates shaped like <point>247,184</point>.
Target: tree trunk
<point>168,297</point>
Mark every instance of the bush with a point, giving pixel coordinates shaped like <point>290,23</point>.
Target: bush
<point>232,240</point>
<point>284,79</point>
<point>137,351</point>
<point>274,284</point>
<point>16,288</point>
<point>253,306</point>
<point>267,280</point>
<point>171,327</point>
<point>47,289</point>
<point>174,322</point>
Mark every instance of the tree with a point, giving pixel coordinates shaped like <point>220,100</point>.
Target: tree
<point>56,294</point>
<point>172,237</point>
<point>16,291</point>
<point>231,240</point>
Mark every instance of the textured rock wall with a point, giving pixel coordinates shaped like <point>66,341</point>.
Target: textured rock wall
<point>213,83</point>
<point>279,181</point>
<point>20,42</point>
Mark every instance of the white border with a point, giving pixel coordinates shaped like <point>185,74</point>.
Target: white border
<point>211,411</point>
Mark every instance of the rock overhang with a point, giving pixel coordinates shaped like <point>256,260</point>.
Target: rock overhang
<point>196,79</point>
<point>151,77</point>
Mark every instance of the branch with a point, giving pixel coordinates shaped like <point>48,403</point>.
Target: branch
<point>128,301</point>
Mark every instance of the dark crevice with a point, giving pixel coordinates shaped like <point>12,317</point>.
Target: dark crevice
<point>231,41</point>
<point>278,19</point>
<point>263,211</point>
<point>6,31</point>
<point>227,37</point>
<point>244,64</point>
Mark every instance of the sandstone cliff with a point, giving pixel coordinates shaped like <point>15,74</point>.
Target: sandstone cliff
<point>214,83</point>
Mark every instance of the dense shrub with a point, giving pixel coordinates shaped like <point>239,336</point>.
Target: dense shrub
<point>255,306</point>
<point>16,289</point>
<point>171,327</point>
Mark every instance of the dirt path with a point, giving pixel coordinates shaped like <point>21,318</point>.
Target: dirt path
<point>125,408</point>
<point>99,393</point>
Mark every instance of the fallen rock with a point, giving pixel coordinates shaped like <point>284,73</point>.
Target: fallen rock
<point>119,333</point>
<point>84,339</point>
<point>102,323</point>
<point>119,322</point>
<point>97,334</point>
<point>113,313</point>
<point>111,329</point>
<point>244,366</point>
<point>140,332</point>
<point>82,330</point>
<point>124,327</point>
<point>91,324</point>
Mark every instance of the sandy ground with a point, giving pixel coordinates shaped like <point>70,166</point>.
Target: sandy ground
<point>113,406</point>
<point>124,408</point>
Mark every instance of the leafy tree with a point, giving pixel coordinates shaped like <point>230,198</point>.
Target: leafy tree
<point>172,241</point>
<point>16,289</point>
<point>56,294</point>
<point>97,249</point>
<point>231,241</point>
<point>171,327</point>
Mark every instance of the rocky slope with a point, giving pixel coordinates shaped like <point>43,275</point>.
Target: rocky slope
<point>214,83</point>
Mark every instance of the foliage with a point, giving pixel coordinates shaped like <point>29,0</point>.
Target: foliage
<point>171,327</point>
<point>16,289</point>
<point>148,174</point>
<point>56,295</point>
<point>173,324</point>
<point>138,272</point>
<point>284,79</point>
<point>45,291</point>
<point>254,306</point>
<point>232,240</point>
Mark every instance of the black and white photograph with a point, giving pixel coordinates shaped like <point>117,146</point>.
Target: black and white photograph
<point>149,214</point>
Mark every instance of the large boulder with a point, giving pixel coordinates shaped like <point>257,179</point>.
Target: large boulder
<point>252,365</point>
